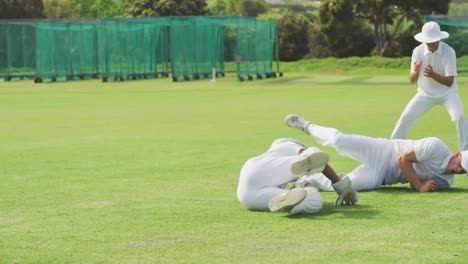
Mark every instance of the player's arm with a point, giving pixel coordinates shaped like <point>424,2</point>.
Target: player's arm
<point>442,79</point>
<point>405,163</point>
<point>414,76</point>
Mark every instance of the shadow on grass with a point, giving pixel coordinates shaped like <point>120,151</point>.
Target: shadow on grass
<point>359,211</point>
<point>345,211</point>
<point>405,189</point>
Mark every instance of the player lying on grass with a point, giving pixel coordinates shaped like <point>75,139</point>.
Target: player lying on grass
<point>263,179</point>
<point>427,164</point>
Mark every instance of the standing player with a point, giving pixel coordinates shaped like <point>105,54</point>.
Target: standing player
<point>264,178</point>
<point>433,66</point>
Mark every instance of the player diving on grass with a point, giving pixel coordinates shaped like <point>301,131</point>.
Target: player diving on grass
<point>264,178</point>
<point>427,164</point>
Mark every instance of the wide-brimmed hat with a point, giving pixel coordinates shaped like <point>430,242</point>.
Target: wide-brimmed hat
<point>431,33</point>
<point>464,159</point>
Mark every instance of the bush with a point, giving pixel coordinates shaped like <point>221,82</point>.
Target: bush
<point>292,40</point>
<point>457,41</point>
<point>403,44</point>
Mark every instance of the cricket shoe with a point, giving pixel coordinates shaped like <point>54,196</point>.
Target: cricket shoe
<point>313,160</point>
<point>286,201</point>
<point>293,120</point>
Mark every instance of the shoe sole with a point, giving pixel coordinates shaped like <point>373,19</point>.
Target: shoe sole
<point>291,118</point>
<point>288,201</point>
<point>311,162</point>
<point>291,121</point>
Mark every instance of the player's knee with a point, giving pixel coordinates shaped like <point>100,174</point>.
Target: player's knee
<point>459,118</point>
<point>333,138</point>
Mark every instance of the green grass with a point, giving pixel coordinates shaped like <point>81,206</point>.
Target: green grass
<point>147,171</point>
<point>361,66</point>
<point>351,65</point>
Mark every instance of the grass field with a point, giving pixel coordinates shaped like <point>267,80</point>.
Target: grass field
<point>147,171</point>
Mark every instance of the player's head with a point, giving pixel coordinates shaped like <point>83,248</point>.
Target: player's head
<point>464,160</point>
<point>458,163</point>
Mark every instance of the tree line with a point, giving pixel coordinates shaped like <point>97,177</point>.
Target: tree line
<point>332,28</point>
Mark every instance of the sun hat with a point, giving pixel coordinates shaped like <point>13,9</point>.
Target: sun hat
<point>464,159</point>
<point>431,33</point>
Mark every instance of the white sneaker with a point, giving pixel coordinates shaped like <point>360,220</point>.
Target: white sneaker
<point>313,161</point>
<point>293,120</point>
<point>287,201</point>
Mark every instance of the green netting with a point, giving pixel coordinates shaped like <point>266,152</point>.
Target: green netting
<point>67,50</point>
<point>17,50</point>
<point>227,44</point>
<point>85,54</point>
<point>136,48</point>
<point>3,50</point>
<point>128,49</point>
<point>254,53</point>
<point>457,27</point>
<point>453,21</point>
<point>196,48</point>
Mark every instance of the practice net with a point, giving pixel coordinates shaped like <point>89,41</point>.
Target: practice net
<point>187,48</point>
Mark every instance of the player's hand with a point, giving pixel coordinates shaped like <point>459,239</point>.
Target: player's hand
<point>428,72</point>
<point>349,198</point>
<point>346,193</point>
<point>417,66</point>
<point>428,186</point>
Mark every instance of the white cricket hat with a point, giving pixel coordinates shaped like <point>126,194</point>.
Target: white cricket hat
<point>431,33</point>
<point>464,159</point>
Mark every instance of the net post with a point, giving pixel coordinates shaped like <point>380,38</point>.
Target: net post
<point>213,72</point>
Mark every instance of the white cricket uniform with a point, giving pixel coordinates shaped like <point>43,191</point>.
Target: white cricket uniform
<point>431,93</point>
<point>267,175</point>
<point>378,157</point>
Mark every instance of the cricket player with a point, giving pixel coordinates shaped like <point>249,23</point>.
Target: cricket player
<point>427,164</point>
<point>264,178</point>
<point>433,67</point>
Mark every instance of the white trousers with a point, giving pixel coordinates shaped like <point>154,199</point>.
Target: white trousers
<point>266,176</point>
<point>420,104</point>
<point>375,154</point>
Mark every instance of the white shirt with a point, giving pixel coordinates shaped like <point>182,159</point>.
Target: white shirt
<point>432,155</point>
<point>443,61</point>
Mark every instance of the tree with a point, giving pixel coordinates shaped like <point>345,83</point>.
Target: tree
<point>344,35</point>
<point>272,17</point>
<point>293,42</point>
<point>388,16</point>
<point>253,8</point>
<point>62,8</point>
<point>103,8</point>
<point>317,43</point>
<point>217,8</point>
<point>154,8</point>
<point>403,43</point>
<point>16,9</point>
<point>249,8</point>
